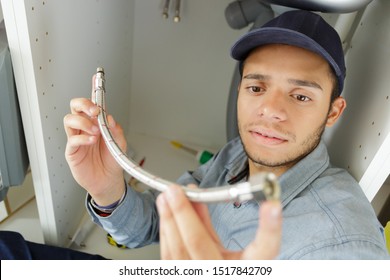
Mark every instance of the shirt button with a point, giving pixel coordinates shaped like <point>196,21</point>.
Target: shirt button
<point>237,204</point>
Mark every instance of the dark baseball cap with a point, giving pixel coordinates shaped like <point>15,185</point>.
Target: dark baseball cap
<point>298,28</point>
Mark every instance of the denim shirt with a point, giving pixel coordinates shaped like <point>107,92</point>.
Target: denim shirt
<point>325,212</point>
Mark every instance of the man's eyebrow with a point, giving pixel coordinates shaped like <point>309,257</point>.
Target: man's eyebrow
<point>305,83</point>
<point>257,77</point>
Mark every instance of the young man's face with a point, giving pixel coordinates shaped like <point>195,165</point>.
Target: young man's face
<point>284,105</point>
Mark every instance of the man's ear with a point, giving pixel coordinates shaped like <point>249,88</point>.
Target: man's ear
<point>336,109</point>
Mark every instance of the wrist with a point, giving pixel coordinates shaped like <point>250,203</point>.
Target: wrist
<point>107,209</point>
<point>111,194</point>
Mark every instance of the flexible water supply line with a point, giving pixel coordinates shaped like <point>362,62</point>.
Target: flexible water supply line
<point>263,186</point>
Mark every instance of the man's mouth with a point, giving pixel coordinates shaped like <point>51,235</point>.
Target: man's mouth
<point>268,137</point>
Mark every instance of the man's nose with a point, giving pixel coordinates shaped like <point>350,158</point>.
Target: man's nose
<point>273,106</point>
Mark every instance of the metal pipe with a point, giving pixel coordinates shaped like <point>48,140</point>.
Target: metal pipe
<point>327,6</point>
<point>166,9</point>
<point>177,11</point>
<point>262,186</point>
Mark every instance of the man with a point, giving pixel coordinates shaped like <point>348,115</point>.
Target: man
<point>292,76</point>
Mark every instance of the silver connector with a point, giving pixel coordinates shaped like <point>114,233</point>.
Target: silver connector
<point>99,79</point>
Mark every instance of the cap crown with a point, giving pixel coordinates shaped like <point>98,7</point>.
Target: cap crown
<point>297,28</point>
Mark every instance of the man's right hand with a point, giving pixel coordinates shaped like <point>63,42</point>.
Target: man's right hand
<point>90,162</point>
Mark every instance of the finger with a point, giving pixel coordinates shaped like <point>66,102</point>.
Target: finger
<point>269,234</point>
<point>204,216</point>
<point>164,250</point>
<point>75,124</point>
<point>172,246</point>
<point>196,238</point>
<point>203,212</point>
<point>85,106</point>
<point>75,142</point>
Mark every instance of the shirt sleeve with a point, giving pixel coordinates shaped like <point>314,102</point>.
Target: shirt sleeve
<point>134,223</point>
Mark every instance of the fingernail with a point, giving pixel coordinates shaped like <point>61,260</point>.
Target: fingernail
<point>93,111</point>
<point>112,123</point>
<point>161,203</point>
<point>276,211</point>
<point>173,192</point>
<point>275,214</point>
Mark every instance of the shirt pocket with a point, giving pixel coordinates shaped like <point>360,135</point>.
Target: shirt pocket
<point>242,227</point>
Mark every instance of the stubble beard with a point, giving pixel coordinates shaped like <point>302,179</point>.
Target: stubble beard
<point>305,148</point>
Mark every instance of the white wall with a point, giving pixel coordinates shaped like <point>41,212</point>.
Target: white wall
<point>55,48</point>
<point>361,140</point>
<point>181,72</point>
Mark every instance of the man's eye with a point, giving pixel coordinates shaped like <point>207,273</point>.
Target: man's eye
<point>254,89</point>
<point>302,98</point>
